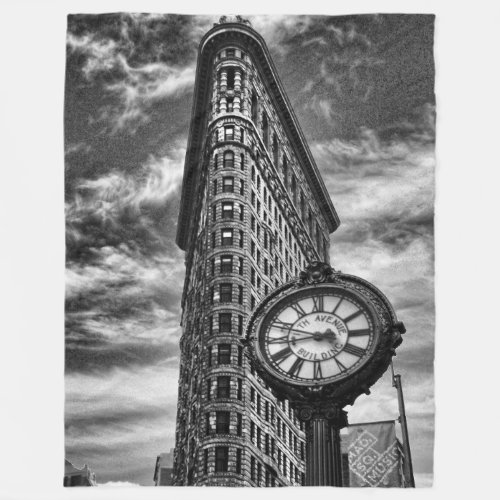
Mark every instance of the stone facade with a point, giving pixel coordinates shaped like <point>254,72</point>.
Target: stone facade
<point>254,213</point>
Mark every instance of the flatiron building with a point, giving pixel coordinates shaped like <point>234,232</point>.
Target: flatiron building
<point>254,212</point>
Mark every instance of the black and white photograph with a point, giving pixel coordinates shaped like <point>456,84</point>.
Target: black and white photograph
<point>251,250</point>
<point>209,162</point>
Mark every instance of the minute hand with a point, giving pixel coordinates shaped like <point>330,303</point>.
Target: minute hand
<point>305,333</point>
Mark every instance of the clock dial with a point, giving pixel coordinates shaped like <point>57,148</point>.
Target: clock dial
<point>317,336</point>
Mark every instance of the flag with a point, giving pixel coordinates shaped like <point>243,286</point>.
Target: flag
<point>374,456</point>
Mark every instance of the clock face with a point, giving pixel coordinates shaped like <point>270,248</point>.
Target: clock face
<point>317,336</point>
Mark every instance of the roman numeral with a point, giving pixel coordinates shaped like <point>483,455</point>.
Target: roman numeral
<point>298,309</point>
<point>281,325</point>
<point>355,350</point>
<point>353,315</point>
<point>317,370</point>
<point>342,368</point>
<point>278,340</point>
<point>295,368</point>
<point>337,306</point>
<point>280,356</point>
<point>359,333</point>
<point>318,304</point>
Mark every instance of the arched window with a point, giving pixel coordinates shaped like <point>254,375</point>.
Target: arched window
<point>228,159</point>
<point>265,130</point>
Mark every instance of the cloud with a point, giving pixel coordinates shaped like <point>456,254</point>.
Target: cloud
<point>121,420</point>
<point>135,210</point>
<point>138,60</point>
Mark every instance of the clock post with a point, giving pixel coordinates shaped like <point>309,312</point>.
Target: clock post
<point>321,341</point>
<point>323,453</point>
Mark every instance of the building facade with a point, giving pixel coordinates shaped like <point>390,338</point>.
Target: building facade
<point>78,477</point>
<point>254,212</point>
<point>163,469</point>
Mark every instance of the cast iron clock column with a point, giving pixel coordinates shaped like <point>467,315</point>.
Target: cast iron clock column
<point>321,341</point>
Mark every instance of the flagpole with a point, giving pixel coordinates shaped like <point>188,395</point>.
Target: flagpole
<point>396,382</point>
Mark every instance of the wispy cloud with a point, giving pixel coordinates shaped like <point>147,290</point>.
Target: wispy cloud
<point>138,60</point>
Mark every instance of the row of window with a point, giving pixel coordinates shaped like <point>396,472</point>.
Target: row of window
<point>227,210</point>
<point>227,265</point>
<point>226,323</point>
<point>223,388</point>
<point>224,355</point>
<point>226,293</point>
<point>223,423</point>
<point>259,473</point>
<point>227,237</point>
<point>228,185</point>
<point>229,135</point>
<point>228,159</point>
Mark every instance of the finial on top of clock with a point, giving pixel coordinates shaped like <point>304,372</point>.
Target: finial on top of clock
<point>234,19</point>
<point>317,272</point>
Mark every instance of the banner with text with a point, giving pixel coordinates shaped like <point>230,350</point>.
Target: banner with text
<point>374,456</point>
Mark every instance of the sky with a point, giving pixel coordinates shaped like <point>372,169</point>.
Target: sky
<point>362,88</point>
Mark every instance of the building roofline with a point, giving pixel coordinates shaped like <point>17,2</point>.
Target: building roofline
<point>255,45</point>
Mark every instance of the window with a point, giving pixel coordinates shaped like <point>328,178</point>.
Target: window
<point>213,240</point>
<point>214,212</point>
<point>238,461</point>
<point>230,77</point>
<point>226,292</point>
<point>240,270</point>
<point>259,437</point>
<point>252,468</point>
<point>212,267</point>
<point>229,52</point>
<point>209,389</point>
<point>252,430</point>
<point>240,294</point>
<point>227,236</point>
<point>242,161</point>
<point>208,428</point>
<point>239,424</point>
<point>230,102</point>
<point>211,325</point>
<point>227,210</point>
<point>240,389</point>
<point>265,130</point>
<point>228,134</point>
<point>240,325</point>
<point>240,356</point>
<point>224,322</point>
<point>205,462</point>
<point>223,385</point>
<point>221,458</point>
<point>242,212</point>
<point>294,189</point>
<point>224,354</point>
<point>254,108</point>
<point>242,187</point>
<point>215,162</point>
<point>222,419</point>
<point>209,355</point>
<point>242,134</point>
<point>228,184</point>
<point>215,187</point>
<point>226,264</point>
<point>241,239</point>
<point>228,159</point>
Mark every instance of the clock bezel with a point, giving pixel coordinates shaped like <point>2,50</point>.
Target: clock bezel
<point>281,302</point>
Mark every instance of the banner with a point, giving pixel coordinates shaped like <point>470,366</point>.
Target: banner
<point>374,456</point>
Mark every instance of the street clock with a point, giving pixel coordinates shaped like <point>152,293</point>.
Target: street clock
<point>327,335</point>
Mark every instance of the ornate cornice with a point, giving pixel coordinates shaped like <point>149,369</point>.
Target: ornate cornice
<point>244,35</point>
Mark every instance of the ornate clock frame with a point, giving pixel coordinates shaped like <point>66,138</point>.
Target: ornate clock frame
<point>321,406</point>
